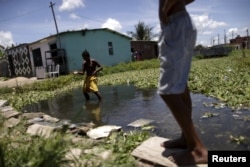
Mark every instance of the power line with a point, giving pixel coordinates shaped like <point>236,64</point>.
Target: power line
<point>21,15</point>
<point>90,18</point>
<point>33,11</point>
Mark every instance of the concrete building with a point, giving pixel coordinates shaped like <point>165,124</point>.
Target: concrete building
<point>107,46</point>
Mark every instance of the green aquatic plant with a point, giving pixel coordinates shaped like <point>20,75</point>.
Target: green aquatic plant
<point>20,149</point>
<point>209,115</point>
<point>225,78</point>
<point>237,140</point>
<point>246,118</point>
<point>122,144</point>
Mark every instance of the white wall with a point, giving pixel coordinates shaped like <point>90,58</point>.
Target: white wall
<point>44,46</point>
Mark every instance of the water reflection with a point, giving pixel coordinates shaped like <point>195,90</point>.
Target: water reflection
<point>124,104</point>
<point>94,110</point>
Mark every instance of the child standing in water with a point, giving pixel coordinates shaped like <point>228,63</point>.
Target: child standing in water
<point>91,67</point>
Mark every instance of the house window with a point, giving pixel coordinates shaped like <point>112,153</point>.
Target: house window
<point>53,47</point>
<point>110,45</point>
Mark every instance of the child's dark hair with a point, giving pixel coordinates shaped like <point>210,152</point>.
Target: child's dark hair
<point>85,53</point>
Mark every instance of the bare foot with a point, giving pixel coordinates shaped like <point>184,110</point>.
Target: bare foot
<point>189,157</point>
<point>176,143</point>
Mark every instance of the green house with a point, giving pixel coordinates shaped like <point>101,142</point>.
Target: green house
<point>108,47</point>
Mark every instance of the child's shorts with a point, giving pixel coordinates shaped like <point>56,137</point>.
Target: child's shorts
<point>90,84</point>
<point>176,46</point>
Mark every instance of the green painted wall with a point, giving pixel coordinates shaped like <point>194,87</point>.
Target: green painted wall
<point>96,42</point>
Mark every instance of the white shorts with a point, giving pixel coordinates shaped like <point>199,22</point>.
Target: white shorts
<point>176,46</point>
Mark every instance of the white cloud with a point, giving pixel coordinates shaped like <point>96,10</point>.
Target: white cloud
<point>74,16</point>
<point>207,32</point>
<point>6,38</point>
<point>112,24</point>
<point>71,4</point>
<point>203,23</point>
<point>235,30</point>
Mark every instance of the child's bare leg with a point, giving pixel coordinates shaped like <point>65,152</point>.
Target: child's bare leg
<point>86,96</point>
<point>98,95</point>
<point>180,142</point>
<point>196,152</point>
<point>175,143</point>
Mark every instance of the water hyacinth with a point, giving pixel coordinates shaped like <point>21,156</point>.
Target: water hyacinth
<point>225,78</point>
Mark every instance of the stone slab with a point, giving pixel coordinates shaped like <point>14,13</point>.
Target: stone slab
<point>11,122</point>
<point>3,103</point>
<point>150,150</point>
<point>102,131</point>
<point>10,113</point>
<point>140,122</point>
<point>40,130</point>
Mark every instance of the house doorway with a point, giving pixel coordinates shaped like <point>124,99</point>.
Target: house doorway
<point>37,57</point>
<point>11,66</point>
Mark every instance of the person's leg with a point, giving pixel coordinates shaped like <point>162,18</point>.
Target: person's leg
<point>86,95</point>
<point>85,88</point>
<point>180,142</point>
<point>196,152</point>
<point>98,95</point>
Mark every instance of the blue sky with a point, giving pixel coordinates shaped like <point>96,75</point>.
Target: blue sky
<point>25,21</point>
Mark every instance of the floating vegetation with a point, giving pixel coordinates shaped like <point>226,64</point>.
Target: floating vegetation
<point>209,115</point>
<point>246,118</point>
<point>149,127</point>
<point>225,78</point>
<point>236,116</point>
<point>238,140</point>
<point>215,105</point>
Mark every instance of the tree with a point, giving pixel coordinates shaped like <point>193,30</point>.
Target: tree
<point>1,53</point>
<point>142,32</point>
<point>199,47</point>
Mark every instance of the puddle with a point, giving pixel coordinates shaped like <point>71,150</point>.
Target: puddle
<point>124,104</point>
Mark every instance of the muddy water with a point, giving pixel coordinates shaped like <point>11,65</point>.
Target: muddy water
<point>124,104</point>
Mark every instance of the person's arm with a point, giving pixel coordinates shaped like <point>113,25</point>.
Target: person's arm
<point>99,67</point>
<point>188,1</point>
<point>167,5</point>
<point>164,7</point>
<point>81,72</point>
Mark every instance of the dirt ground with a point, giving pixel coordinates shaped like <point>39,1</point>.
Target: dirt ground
<point>18,81</point>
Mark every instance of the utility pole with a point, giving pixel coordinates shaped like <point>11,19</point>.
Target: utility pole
<point>247,40</point>
<point>225,37</point>
<point>218,39</point>
<point>59,41</point>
